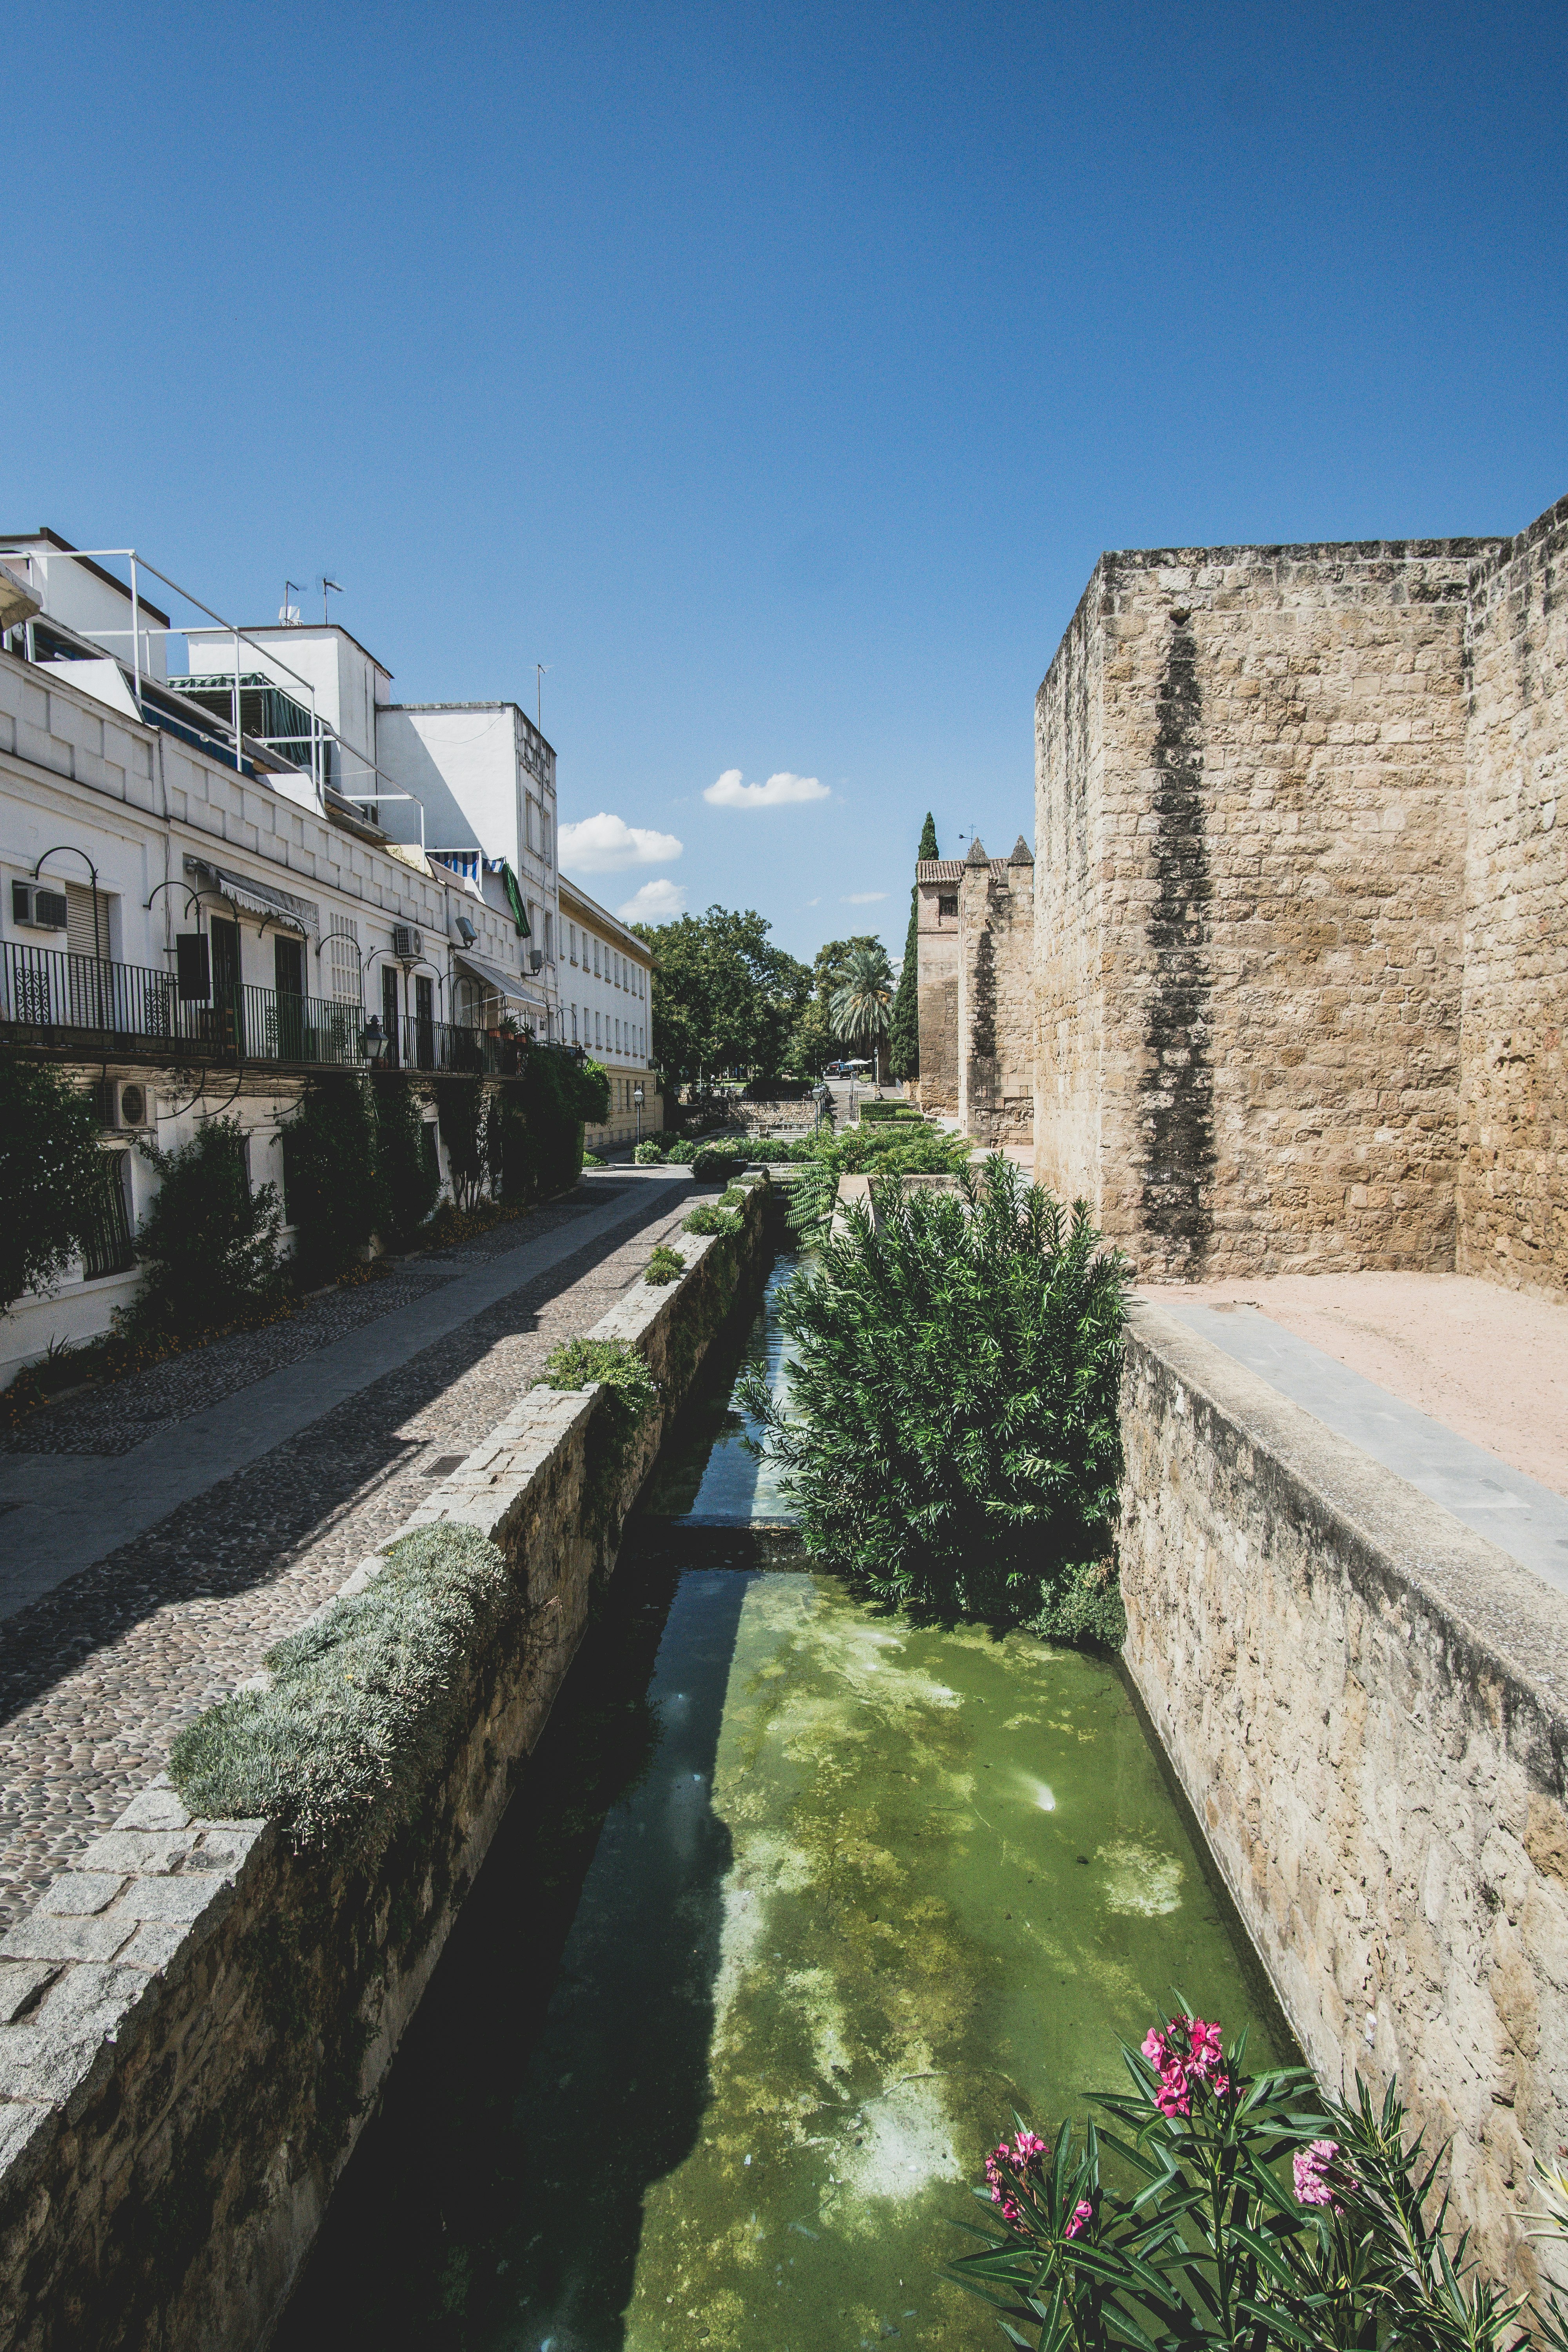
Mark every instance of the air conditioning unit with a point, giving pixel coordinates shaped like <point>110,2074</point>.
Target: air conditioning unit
<point>40,909</point>
<point>123,1105</point>
<point>407,944</point>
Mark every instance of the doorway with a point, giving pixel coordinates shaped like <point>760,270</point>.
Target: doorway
<point>288,975</point>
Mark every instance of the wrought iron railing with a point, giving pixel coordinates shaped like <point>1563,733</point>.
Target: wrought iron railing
<point>441,1046</point>
<point>52,998</point>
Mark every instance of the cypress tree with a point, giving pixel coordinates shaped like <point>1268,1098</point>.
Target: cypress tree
<point>904,1039</point>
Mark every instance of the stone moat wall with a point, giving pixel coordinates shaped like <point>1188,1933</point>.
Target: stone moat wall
<point>1366,1705</point>
<point>195,2020</point>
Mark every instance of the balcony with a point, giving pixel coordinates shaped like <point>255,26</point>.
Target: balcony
<point>90,1004</point>
<point>444,1047</point>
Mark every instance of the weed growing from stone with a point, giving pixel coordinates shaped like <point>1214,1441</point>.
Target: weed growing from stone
<point>666,1264</point>
<point>711,1217</point>
<point>365,1704</point>
<point>628,1394</point>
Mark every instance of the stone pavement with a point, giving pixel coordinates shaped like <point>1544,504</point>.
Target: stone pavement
<point>99,1674</point>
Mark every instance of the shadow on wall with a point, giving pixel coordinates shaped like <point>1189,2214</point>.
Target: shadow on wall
<point>545,2116</point>
<point>1177,1085</point>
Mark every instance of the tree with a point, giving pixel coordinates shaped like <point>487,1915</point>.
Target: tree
<point>861,1002</point>
<point>904,1043</point>
<point>209,1242</point>
<point>52,1175</point>
<point>724,997</point>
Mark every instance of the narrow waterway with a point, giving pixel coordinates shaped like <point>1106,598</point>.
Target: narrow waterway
<point>795,1906</point>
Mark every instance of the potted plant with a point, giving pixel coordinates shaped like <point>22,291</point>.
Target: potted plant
<point>506,1031</point>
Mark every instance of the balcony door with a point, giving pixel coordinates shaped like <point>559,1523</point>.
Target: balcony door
<point>390,1014</point>
<point>289,973</point>
<point>425,1021</point>
<point>224,937</point>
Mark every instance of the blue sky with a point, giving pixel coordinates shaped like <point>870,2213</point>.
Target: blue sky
<point>774,374</point>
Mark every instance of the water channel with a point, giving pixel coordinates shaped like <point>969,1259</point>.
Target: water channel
<point>795,1906</point>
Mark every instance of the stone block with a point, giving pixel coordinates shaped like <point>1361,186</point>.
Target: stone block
<point>76,1893</point>
<point>42,1937</point>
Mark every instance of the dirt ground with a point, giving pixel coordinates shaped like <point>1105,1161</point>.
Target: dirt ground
<point>1485,1362</point>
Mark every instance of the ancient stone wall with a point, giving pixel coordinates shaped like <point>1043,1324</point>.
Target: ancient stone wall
<point>937,883</point>
<point>1513,1171</point>
<point>1250,823</point>
<point>195,2021</point>
<point>995,997</point>
<point>1366,1705</point>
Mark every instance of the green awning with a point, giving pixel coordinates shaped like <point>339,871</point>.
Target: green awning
<point>514,898</point>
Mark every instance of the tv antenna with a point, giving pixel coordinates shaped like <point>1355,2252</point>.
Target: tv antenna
<point>291,613</point>
<point>543,669</point>
<point>337,589</point>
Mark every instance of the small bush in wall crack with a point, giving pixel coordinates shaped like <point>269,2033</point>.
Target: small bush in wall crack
<point>628,1394</point>
<point>365,1703</point>
<point>666,1264</point>
<point>711,1217</point>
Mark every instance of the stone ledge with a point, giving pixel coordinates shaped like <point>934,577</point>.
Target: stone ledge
<point>1387,1530</point>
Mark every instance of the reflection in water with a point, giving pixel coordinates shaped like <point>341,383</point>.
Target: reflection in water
<point>795,1906</point>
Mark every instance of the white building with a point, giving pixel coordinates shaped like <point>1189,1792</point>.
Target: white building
<point>484,778</point>
<point>607,983</point>
<point>194,926</point>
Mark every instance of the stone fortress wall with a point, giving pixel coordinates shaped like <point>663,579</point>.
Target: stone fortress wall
<point>976,934</point>
<point>1513,1149</point>
<point>1301,939</point>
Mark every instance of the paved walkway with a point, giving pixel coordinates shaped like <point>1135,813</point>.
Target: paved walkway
<point>231,1525</point>
<point>1519,1514</point>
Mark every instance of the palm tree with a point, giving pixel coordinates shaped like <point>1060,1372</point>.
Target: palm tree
<point>862,1000</point>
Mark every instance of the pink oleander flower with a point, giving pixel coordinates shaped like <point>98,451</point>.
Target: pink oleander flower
<point>1027,2150</point>
<point>1082,2215</point>
<point>1189,2056</point>
<point>1311,2165</point>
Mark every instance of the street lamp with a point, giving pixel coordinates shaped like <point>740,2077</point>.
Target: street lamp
<point>636,1098</point>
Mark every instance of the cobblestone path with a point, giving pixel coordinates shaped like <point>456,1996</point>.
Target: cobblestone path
<point>98,1676</point>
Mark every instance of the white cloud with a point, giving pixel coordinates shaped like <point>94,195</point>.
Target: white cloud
<point>605,843</point>
<point>730,793</point>
<point>862,898</point>
<point>655,902</point>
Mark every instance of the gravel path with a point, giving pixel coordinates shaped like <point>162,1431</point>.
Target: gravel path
<point>98,1676</point>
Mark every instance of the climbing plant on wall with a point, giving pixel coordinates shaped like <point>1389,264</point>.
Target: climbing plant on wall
<point>51,1173</point>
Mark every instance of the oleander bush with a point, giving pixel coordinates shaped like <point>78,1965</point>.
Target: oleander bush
<point>409,1176</point>
<point>664,1266</point>
<point>208,1240</point>
<point>366,1705</point>
<point>1259,2217</point>
<point>950,1429</point>
<point>336,1198</point>
<point>52,1175</point>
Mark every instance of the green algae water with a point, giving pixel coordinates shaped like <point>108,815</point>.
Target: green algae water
<point>796,1905</point>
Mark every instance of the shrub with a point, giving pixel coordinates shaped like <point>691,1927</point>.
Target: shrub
<point>709,1217</point>
<point>649,1154</point>
<point>666,1264</point>
<point>592,1091</point>
<point>684,1151</point>
<point>717,1161</point>
<point>410,1181</point>
<point>876,1113</point>
<point>734,1196</point>
<point>462,1115</point>
<point>557,1094</point>
<point>52,1175</point>
<point>335,1199</point>
<point>592,1160</point>
<point>1219,2245</point>
<point>209,1242</point>
<point>950,1429</point>
<point>364,1706</point>
<point>629,1393</point>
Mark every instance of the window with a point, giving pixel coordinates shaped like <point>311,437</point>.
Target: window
<point>598,1029</point>
<point>107,1243</point>
<point>572,939</point>
<point>575,1037</point>
<point>342,962</point>
<point>549,937</point>
<point>947,910</point>
<point>544,835</point>
<point>598,974</point>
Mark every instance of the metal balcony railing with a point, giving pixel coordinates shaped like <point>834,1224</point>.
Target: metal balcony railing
<point>47,997</point>
<point>442,1046</point>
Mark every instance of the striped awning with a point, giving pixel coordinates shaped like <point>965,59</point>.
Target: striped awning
<point>263,899</point>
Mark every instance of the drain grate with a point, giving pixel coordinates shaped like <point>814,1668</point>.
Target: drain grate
<point>443,1465</point>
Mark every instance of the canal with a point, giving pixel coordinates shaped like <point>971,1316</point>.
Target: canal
<point>795,1906</point>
